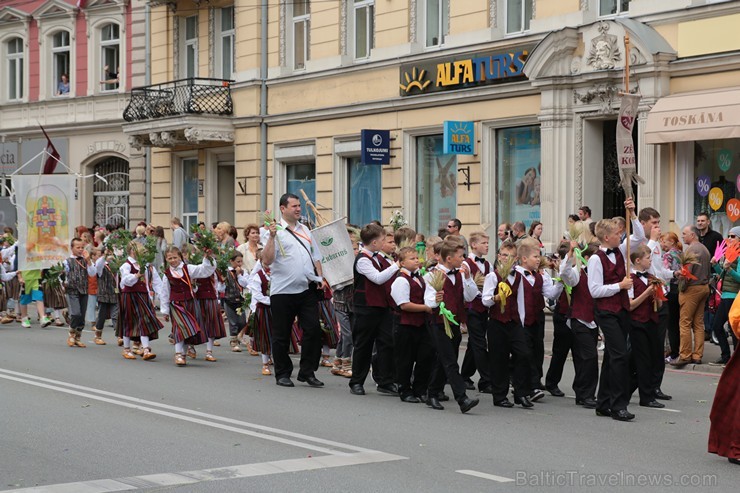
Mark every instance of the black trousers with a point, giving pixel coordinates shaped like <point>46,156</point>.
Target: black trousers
<point>535,337</point>
<point>659,368</point>
<point>647,347</point>
<point>476,355</point>
<point>674,315</point>
<point>446,369</point>
<point>106,311</point>
<point>415,355</point>
<point>285,308</point>
<point>562,344</point>
<point>77,304</point>
<point>368,329</point>
<point>614,383</point>
<point>585,360</point>
<point>384,373</point>
<point>718,327</point>
<point>504,340</point>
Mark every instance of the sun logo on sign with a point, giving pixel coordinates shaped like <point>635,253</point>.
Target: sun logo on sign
<point>415,81</point>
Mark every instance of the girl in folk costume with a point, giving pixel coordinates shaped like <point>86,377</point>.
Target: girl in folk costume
<point>209,312</point>
<point>55,299</point>
<point>107,297</point>
<point>259,287</point>
<point>233,287</point>
<point>12,286</point>
<point>137,317</point>
<point>177,298</point>
<point>92,295</point>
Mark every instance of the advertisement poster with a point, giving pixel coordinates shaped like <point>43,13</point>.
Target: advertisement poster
<point>519,174</point>
<point>47,208</point>
<point>437,185</point>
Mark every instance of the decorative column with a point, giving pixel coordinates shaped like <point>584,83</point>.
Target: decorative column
<point>647,194</point>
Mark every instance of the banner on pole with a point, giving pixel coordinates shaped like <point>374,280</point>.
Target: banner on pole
<point>338,259</point>
<point>47,207</point>
<point>625,145</point>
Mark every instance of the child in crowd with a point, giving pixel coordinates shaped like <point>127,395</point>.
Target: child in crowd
<point>107,296</point>
<point>235,282</point>
<point>342,300</point>
<point>92,294</point>
<point>259,287</point>
<point>77,270</point>
<point>209,315</point>
<point>476,354</point>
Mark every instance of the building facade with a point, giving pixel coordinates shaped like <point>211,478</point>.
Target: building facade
<point>68,66</point>
<point>538,79</point>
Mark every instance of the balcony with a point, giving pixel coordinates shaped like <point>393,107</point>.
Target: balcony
<point>181,112</point>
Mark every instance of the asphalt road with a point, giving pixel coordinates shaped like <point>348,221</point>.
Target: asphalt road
<point>87,420</point>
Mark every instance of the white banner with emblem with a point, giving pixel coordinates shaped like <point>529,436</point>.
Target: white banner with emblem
<point>338,259</point>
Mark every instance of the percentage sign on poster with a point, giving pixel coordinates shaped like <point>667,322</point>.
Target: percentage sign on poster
<point>715,198</point>
<point>702,185</point>
<point>733,210</point>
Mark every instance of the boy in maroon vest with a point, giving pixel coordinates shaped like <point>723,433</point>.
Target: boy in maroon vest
<point>535,287</point>
<point>505,334</point>
<point>458,289</point>
<point>585,332</point>
<point>476,355</point>
<point>414,352</point>
<point>371,312</point>
<point>647,346</point>
<point>608,284</point>
<point>384,375</point>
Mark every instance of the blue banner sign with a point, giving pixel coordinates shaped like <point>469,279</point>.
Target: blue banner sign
<point>376,146</point>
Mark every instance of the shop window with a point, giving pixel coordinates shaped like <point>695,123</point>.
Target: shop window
<point>518,15</point>
<point>436,185</point>
<point>364,192</point>
<point>60,52</point>
<point>300,30</point>
<point>226,45</point>
<point>189,203</point>
<point>189,48</point>
<point>518,174</point>
<point>717,169</point>
<point>301,176</point>
<point>613,7</point>
<point>14,64</point>
<point>110,48</point>
<point>436,22</point>
<point>363,19</point>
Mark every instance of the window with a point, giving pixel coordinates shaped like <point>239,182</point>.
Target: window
<point>14,59</point>
<point>60,63</point>
<point>110,55</point>
<point>190,50</point>
<point>436,186</point>
<point>611,7</point>
<point>226,54</point>
<point>518,174</point>
<point>436,22</point>
<point>302,176</point>
<point>518,15</point>
<point>363,19</point>
<point>189,203</point>
<point>364,191</point>
<point>301,26</point>
<point>716,170</point>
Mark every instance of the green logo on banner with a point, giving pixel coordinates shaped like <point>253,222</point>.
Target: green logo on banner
<point>327,241</point>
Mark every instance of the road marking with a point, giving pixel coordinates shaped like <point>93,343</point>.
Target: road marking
<point>483,475</point>
<point>653,408</point>
<point>217,474</point>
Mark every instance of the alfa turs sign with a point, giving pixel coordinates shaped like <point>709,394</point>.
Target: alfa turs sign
<point>463,71</point>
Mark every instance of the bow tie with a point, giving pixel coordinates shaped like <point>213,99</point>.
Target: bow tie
<point>416,275</point>
<point>642,274</point>
<point>480,259</point>
<point>375,254</point>
<point>611,250</point>
<point>452,272</point>
<point>527,273</point>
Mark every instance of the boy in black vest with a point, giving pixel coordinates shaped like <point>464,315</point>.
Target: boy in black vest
<point>414,351</point>
<point>77,268</point>
<point>384,375</point>
<point>562,342</point>
<point>370,312</point>
<point>458,289</point>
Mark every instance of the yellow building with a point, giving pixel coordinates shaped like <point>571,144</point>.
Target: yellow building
<point>538,79</point>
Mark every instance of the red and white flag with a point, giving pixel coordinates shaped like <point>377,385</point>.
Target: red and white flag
<point>53,156</point>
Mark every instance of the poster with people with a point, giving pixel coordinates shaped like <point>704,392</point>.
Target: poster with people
<point>47,213</point>
<point>519,174</point>
<point>437,184</point>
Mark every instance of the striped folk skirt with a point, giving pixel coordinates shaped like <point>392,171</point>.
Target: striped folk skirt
<point>724,432</point>
<point>185,327</point>
<point>136,317</point>
<point>210,319</point>
<point>54,296</point>
<point>3,298</point>
<point>329,324</point>
<point>13,289</point>
<point>262,329</point>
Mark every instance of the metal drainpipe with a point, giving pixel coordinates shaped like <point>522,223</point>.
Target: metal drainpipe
<point>263,107</point>
<point>147,81</point>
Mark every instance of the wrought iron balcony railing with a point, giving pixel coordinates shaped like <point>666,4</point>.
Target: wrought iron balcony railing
<point>194,96</point>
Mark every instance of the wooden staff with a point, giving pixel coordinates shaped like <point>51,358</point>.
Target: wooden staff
<point>320,219</point>
<point>628,222</point>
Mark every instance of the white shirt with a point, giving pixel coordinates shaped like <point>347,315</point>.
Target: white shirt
<point>255,287</point>
<point>6,276</point>
<point>572,277</point>
<point>401,289</point>
<point>365,266</point>
<point>656,258</point>
<point>549,289</point>
<point>470,290</point>
<point>202,271</point>
<point>489,288</point>
<point>631,291</point>
<point>129,279</point>
<point>596,274</point>
<point>292,272</point>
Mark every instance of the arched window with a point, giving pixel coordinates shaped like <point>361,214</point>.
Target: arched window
<point>14,60</point>
<point>111,198</point>
<point>110,47</point>
<point>60,52</point>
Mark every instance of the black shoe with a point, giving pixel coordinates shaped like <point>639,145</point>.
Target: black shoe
<point>469,385</point>
<point>356,389</point>
<point>433,402</point>
<point>538,385</point>
<point>443,397</point>
<point>523,401</point>
<point>285,382</point>
<point>734,461</point>
<point>410,398</point>
<point>311,381</point>
<point>467,404</point>
<point>719,362</point>
<point>556,392</point>
<point>622,415</point>
<point>503,403</point>
<point>390,389</point>
<point>537,394</point>
<point>663,397</point>
<point>653,404</point>
<point>486,390</point>
<point>603,413</point>
<point>587,403</point>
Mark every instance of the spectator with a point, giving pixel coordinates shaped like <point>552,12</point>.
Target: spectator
<point>730,276</point>
<point>518,232</point>
<point>221,231</point>
<point>584,214</point>
<point>707,236</point>
<point>63,86</point>
<point>453,229</point>
<point>111,77</point>
<point>671,249</point>
<point>535,231</point>
<point>161,247</point>
<point>503,232</point>
<point>179,235</point>
<point>234,234</point>
<point>140,234</point>
<point>251,246</point>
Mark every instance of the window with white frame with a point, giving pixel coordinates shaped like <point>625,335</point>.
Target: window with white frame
<point>613,7</point>
<point>435,22</point>
<point>190,47</point>
<point>110,55</point>
<point>363,18</point>
<point>301,176</point>
<point>189,199</point>
<point>226,45</point>
<point>60,53</point>
<point>364,191</point>
<point>14,65</point>
<point>300,29</point>
<point>518,15</point>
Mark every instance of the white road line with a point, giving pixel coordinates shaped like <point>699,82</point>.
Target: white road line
<point>483,475</point>
<point>653,408</point>
<point>217,474</point>
<point>56,385</point>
